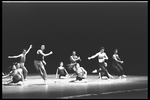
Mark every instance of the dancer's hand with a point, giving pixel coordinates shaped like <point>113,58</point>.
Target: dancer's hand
<point>9,57</point>
<point>122,61</point>
<point>79,58</point>
<point>31,46</point>
<point>51,52</point>
<point>89,58</point>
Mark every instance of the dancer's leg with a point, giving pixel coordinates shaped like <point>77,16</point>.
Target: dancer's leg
<point>25,71</point>
<point>105,70</point>
<point>44,75</point>
<point>116,68</point>
<point>121,70</point>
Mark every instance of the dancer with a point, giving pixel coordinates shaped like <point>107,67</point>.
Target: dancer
<point>61,71</point>
<point>73,60</point>
<point>116,64</point>
<point>15,75</point>
<point>101,59</point>
<point>39,62</point>
<point>22,61</point>
<point>80,72</point>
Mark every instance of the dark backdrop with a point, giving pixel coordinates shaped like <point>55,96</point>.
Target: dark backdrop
<point>83,27</point>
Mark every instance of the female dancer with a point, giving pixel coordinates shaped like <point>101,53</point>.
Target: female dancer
<point>101,59</point>
<point>61,71</point>
<point>116,64</point>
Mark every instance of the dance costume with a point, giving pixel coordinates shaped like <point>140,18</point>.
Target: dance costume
<point>39,66</point>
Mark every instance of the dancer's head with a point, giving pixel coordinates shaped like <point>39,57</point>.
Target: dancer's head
<point>74,52</point>
<point>24,51</point>
<point>13,67</point>
<point>102,49</point>
<point>116,51</point>
<point>42,47</point>
<point>61,63</point>
<point>18,65</point>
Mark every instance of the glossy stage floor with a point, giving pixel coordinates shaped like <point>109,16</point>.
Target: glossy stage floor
<point>34,87</point>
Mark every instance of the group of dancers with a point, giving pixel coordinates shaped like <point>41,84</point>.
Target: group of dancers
<point>19,71</point>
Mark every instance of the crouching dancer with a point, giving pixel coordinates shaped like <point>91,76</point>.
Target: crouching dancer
<point>16,75</point>
<point>80,72</point>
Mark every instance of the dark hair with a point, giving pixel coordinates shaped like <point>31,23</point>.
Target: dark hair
<point>15,63</point>
<point>60,62</point>
<point>24,49</point>
<point>115,49</point>
<point>102,48</point>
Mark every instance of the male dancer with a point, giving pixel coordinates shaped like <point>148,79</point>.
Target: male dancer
<point>39,62</point>
<point>116,65</point>
<point>22,61</point>
<point>73,59</point>
<point>101,59</point>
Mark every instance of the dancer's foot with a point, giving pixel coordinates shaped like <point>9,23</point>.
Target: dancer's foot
<point>94,71</point>
<point>119,77</point>
<point>45,81</point>
<point>110,76</point>
<point>124,76</point>
<point>99,77</point>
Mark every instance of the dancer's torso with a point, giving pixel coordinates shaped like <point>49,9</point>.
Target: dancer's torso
<point>101,57</point>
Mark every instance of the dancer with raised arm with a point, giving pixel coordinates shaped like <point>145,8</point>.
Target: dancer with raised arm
<point>39,62</point>
<point>101,59</point>
<point>61,71</point>
<point>22,60</point>
<point>116,64</point>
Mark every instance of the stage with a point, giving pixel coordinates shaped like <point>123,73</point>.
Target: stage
<point>92,87</point>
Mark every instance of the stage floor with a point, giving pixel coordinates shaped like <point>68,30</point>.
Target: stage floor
<point>92,87</point>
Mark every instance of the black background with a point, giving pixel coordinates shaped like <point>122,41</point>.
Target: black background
<point>83,27</point>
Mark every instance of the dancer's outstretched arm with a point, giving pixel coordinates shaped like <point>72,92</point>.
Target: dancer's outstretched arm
<point>9,74</point>
<point>93,56</point>
<point>66,72</point>
<point>28,49</point>
<point>15,56</point>
<point>41,52</point>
